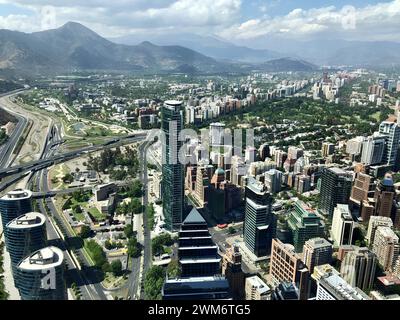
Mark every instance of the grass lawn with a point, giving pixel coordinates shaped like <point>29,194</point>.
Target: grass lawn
<point>96,214</point>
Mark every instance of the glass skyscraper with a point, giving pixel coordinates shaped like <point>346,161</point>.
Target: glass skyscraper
<point>172,169</point>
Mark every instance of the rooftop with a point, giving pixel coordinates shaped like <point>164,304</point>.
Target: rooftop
<point>194,217</point>
<point>17,194</point>
<point>28,220</point>
<point>45,258</point>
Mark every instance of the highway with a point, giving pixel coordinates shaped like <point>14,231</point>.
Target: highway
<point>6,151</point>
<point>84,279</point>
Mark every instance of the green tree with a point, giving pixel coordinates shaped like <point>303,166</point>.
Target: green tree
<point>128,231</point>
<point>85,232</point>
<point>174,269</point>
<point>133,249</point>
<point>153,283</point>
<point>116,267</point>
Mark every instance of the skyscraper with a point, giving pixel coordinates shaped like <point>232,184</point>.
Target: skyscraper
<point>331,286</point>
<point>342,226</point>
<point>335,188</point>
<point>256,289</point>
<point>384,195</point>
<point>286,266</point>
<point>386,247</point>
<point>374,223</point>
<point>198,255</point>
<point>200,276</point>
<point>316,252</point>
<point>232,269</point>
<point>304,225</point>
<point>25,234</point>
<point>41,275</point>
<point>373,150</point>
<point>259,224</point>
<point>14,204</point>
<point>172,169</point>
<point>392,131</point>
<point>358,268</point>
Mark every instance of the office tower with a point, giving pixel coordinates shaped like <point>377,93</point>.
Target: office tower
<point>285,291</point>
<point>256,289</point>
<point>232,270</point>
<point>285,265</point>
<point>41,275</point>
<point>172,169</point>
<point>335,188</point>
<point>304,225</point>
<point>196,288</point>
<point>250,155</point>
<point>343,225</point>
<point>373,150</point>
<point>25,234</point>
<point>238,170</point>
<point>316,252</point>
<point>259,228</point>
<point>295,153</point>
<point>386,247</point>
<point>384,195</point>
<point>354,147</point>
<point>392,131</point>
<point>14,204</point>
<point>374,223</point>
<point>217,131</point>
<point>302,183</point>
<point>280,158</point>
<point>264,152</point>
<point>327,149</point>
<point>358,268</point>
<point>199,262</point>
<point>202,185</point>
<point>363,188</point>
<point>331,286</point>
<point>361,193</point>
<point>198,255</point>
<point>273,180</point>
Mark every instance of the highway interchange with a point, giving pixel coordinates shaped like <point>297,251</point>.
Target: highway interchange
<point>59,232</point>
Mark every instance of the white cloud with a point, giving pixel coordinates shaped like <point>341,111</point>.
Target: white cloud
<point>372,22</point>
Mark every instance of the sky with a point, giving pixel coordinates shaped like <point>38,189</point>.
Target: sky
<point>239,21</point>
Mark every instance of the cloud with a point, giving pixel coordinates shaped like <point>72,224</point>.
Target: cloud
<point>124,16</point>
<point>372,22</point>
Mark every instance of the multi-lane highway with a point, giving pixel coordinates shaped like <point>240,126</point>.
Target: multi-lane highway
<point>6,150</point>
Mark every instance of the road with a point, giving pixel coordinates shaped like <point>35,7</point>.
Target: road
<point>6,151</point>
<point>139,270</point>
<point>84,279</point>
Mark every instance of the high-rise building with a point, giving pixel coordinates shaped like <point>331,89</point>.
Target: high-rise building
<point>327,149</point>
<point>304,225</point>
<point>342,226</point>
<point>200,276</point>
<point>384,196</point>
<point>331,286</point>
<point>273,180</point>
<point>40,276</point>
<point>264,151</point>
<point>25,234</point>
<point>361,193</point>
<point>198,255</point>
<point>287,266</point>
<point>172,169</point>
<point>259,224</point>
<point>316,252</point>
<point>217,131</point>
<point>285,291</point>
<point>373,150</point>
<point>14,204</point>
<point>232,269</point>
<point>256,289</point>
<point>386,247</point>
<point>358,268</point>
<point>335,188</point>
<point>374,223</point>
<point>392,131</point>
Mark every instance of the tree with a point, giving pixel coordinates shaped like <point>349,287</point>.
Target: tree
<point>116,267</point>
<point>133,249</point>
<point>231,230</point>
<point>136,206</point>
<point>85,232</point>
<point>153,283</point>
<point>136,190</point>
<point>174,269</point>
<point>96,252</point>
<point>128,231</point>
<point>68,178</point>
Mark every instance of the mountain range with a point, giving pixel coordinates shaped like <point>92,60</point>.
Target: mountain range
<point>73,47</point>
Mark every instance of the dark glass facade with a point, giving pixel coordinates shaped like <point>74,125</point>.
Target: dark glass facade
<point>172,169</point>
